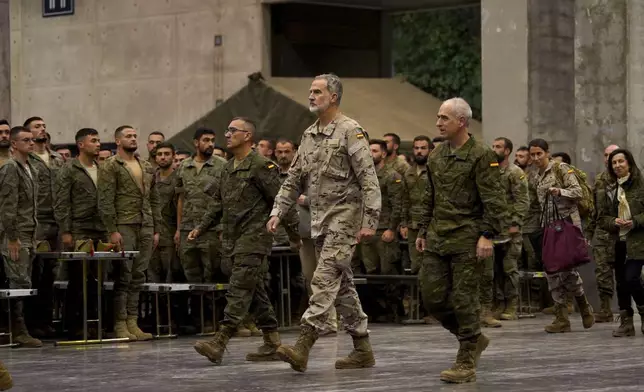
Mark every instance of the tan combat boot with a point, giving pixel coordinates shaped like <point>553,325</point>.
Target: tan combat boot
<point>121,331</point>
<point>561,323</point>
<point>586,311</point>
<point>254,331</point>
<point>268,350</point>
<point>605,314</point>
<point>626,326</point>
<point>243,332</point>
<point>510,312</point>
<point>360,357</point>
<point>464,369</point>
<point>133,328</point>
<point>6,382</point>
<point>22,337</point>
<point>214,349</point>
<point>298,356</point>
<point>551,309</point>
<point>487,318</point>
<point>481,344</point>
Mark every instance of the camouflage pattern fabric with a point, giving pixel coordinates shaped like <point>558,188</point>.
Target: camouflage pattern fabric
<point>398,165</point>
<point>18,198</point>
<point>603,241</point>
<point>46,177</point>
<point>191,184</point>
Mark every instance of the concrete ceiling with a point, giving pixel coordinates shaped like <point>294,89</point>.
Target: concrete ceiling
<point>387,5</point>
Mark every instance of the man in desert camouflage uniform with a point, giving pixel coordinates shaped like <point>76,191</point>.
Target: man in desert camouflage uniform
<point>243,195</point>
<point>465,210</point>
<point>76,212</point>
<point>129,208</point>
<point>46,163</point>
<point>334,168</point>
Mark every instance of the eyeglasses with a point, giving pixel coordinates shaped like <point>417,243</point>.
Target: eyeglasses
<point>27,140</point>
<point>232,130</point>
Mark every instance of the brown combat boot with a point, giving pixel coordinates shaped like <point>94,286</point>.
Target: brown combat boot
<point>121,331</point>
<point>586,311</point>
<point>268,350</point>
<point>481,344</point>
<point>21,335</point>
<point>487,318</point>
<point>605,314</point>
<point>510,312</point>
<point>6,382</point>
<point>626,326</point>
<point>360,357</point>
<point>133,329</point>
<point>464,369</point>
<point>561,323</point>
<point>214,349</point>
<point>298,356</point>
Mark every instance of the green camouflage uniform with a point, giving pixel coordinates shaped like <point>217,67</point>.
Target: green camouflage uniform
<point>164,264</point>
<point>603,244</point>
<point>398,164</point>
<point>45,270</point>
<point>334,165</point>
<point>18,198</point>
<point>243,195</point>
<point>415,186</point>
<point>380,257</point>
<point>132,211</point>
<point>464,202</point>
<point>200,258</point>
<point>76,212</point>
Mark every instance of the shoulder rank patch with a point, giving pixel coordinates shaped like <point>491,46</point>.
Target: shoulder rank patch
<point>494,164</point>
<point>360,134</point>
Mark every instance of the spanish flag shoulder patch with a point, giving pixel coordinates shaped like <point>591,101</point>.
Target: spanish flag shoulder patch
<point>398,180</point>
<point>570,171</point>
<point>359,133</point>
<point>270,165</point>
<point>494,164</point>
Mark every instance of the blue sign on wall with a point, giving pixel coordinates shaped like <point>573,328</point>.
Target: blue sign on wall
<point>57,7</point>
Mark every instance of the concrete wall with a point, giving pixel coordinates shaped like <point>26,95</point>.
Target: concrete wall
<point>151,64</point>
<point>5,61</point>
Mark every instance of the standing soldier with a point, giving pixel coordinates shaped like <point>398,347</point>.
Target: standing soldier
<point>465,206</point>
<point>245,191</point>
<point>164,264</point>
<point>200,257</point>
<point>5,142</point>
<point>129,207</point>
<point>393,160</point>
<point>46,163</point>
<point>603,249</point>
<point>76,209</point>
<point>18,209</point>
<point>415,185</point>
<point>334,166</point>
<point>515,184</point>
<point>154,139</point>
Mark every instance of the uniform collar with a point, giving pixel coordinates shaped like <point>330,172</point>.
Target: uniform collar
<point>462,153</point>
<point>330,128</point>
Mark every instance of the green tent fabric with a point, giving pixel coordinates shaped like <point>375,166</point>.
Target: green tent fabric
<point>276,116</point>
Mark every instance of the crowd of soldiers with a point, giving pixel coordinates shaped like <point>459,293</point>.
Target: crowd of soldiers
<point>216,214</point>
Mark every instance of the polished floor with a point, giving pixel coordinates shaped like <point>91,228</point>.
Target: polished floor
<point>521,357</point>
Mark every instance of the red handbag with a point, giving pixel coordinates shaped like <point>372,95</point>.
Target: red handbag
<point>564,246</point>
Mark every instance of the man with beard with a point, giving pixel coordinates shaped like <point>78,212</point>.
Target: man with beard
<point>522,157</point>
<point>154,139</point>
<point>163,264</point>
<point>415,185</point>
<point>18,210</point>
<point>504,271</point>
<point>393,160</point>
<point>200,257</point>
<point>76,209</point>
<point>284,154</point>
<point>5,142</point>
<point>46,164</point>
<point>64,153</point>
<point>334,168</point>
<point>129,207</point>
<point>243,195</point>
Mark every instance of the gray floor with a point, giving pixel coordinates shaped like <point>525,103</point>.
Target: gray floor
<point>520,358</point>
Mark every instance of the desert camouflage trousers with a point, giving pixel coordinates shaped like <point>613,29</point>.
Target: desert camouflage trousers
<point>332,285</point>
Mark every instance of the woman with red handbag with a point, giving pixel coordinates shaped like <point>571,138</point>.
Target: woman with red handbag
<point>556,188</point>
<point>621,212</point>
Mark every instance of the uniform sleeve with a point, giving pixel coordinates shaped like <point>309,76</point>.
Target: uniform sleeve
<point>9,200</point>
<point>155,204</point>
<point>606,212</point>
<point>179,184</point>
<point>63,200</point>
<point>107,182</point>
<point>214,210</point>
<point>362,164</point>
<point>405,204</point>
<point>521,199</point>
<point>427,200</point>
<point>289,191</point>
<point>571,188</point>
<point>488,182</point>
<point>395,192</point>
